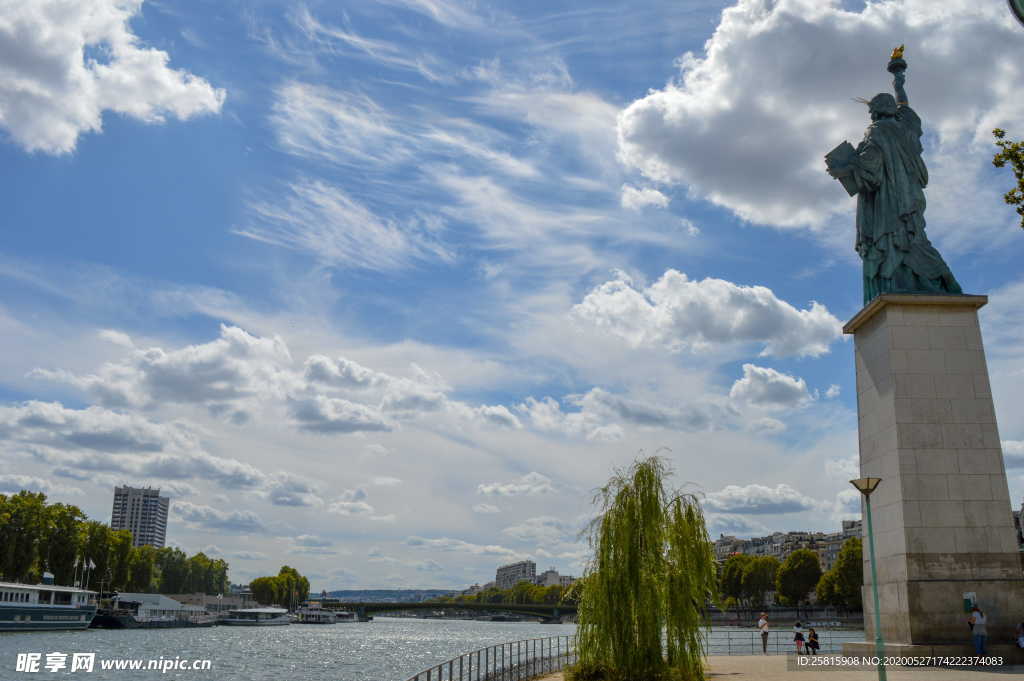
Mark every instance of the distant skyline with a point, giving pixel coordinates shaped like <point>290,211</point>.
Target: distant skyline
<point>384,290</point>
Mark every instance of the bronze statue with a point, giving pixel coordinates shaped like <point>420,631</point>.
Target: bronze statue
<point>888,176</point>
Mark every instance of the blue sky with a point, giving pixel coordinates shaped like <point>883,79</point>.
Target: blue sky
<point>390,287</point>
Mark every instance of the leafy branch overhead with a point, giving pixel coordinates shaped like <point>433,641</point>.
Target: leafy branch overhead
<point>1012,153</point>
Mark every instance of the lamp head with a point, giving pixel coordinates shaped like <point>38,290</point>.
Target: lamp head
<point>866,485</point>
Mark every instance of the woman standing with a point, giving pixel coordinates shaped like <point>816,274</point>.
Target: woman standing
<point>798,638</point>
<point>978,631</point>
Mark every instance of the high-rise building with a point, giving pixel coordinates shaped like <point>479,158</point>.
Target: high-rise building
<point>143,512</point>
<point>509,575</point>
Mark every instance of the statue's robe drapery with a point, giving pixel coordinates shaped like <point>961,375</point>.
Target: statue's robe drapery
<point>891,176</point>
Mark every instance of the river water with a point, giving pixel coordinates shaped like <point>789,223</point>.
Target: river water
<point>386,649</point>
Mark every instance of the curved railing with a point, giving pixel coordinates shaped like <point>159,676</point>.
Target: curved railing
<point>511,661</point>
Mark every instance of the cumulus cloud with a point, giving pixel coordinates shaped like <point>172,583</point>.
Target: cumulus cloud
<point>749,134</point>
<point>546,415</point>
<point>635,198</point>
<point>448,544</point>
<point>12,484</point>
<point>351,502</point>
<point>224,374</point>
<point>286,489</point>
<point>769,389</point>
<point>209,518</point>
<point>540,530</point>
<point>531,484</point>
<point>758,499</point>
<point>331,415</point>
<point>736,525</point>
<point>486,508</point>
<point>66,63</point>
<point>685,315</point>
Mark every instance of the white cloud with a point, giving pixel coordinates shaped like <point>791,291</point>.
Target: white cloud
<point>67,62</point>
<point>351,502</point>
<point>832,392</point>
<point>758,499</point>
<point>448,544</point>
<point>212,519</point>
<point>635,198</point>
<point>1013,453</point>
<point>769,389</point>
<point>322,220</point>
<point>486,508</point>
<point>546,415</point>
<point>287,489</point>
<point>329,415</point>
<point>12,484</point>
<point>531,484</point>
<point>681,314</point>
<point>749,134</point>
<point>541,530</point>
<point>737,525</point>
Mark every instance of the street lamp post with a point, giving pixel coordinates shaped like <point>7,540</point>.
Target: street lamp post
<point>866,486</point>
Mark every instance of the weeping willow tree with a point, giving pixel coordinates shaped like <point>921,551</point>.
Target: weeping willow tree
<point>642,607</point>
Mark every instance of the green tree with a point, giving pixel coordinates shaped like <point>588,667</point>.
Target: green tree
<point>1012,153</point>
<point>96,546</point>
<point>21,532</point>
<point>61,541</point>
<point>826,591</point>
<point>797,576</point>
<point>120,559</point>
<point>642,609</point>
<point>263,590</point>
<point>849,569</point>
<point>731,578</point>
<point>759,579</point>
<point>141,569</point>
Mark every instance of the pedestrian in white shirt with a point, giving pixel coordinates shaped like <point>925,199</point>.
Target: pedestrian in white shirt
<point>762,624</point>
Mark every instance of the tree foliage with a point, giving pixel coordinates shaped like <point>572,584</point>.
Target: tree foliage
<point>59,538</point>
<point>1013,153</point>
<point>840,586</point>
<point>642,609</point>
<point>287,588</point>
<point>797,576</point>
<point>759,579</point>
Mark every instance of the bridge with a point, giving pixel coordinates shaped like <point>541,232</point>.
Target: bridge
<point>545,610</point>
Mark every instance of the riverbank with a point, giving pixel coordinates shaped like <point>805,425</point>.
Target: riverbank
<point>774,668</point>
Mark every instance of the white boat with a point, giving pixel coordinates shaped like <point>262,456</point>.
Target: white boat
<point>45,607</point>
<point>256,617</point>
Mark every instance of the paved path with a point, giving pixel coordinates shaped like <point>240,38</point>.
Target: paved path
<point>773,668</point>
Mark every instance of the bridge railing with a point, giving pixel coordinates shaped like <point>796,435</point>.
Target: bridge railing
<point>511,661</point>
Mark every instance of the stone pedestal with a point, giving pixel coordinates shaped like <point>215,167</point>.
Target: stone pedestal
<point>942,517</point>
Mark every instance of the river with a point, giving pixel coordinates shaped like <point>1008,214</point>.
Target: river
<point>386,649</point>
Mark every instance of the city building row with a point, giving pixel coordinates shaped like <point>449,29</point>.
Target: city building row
<point>781,544</point>
<point>507,576</point>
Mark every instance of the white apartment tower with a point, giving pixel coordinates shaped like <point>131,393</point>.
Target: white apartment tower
<point>510,575</point>
<point>143,512</point>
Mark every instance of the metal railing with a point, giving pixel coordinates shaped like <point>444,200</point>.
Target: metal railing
<point>511,661</point>
<point>780,641</point>
<point>520,660</point>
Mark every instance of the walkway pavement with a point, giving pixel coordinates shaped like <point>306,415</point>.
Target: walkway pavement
<point>773,668</point>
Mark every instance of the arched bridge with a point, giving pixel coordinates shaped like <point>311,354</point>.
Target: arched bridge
<point>548,611</point>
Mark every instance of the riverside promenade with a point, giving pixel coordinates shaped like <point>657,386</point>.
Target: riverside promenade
<point>774,668</point>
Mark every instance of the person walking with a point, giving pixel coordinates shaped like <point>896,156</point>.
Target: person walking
<point>798,638</point>
<point>978,630</point>
<point>812,641</point>
<point>762,624</point>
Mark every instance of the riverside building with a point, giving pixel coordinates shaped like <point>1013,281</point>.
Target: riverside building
<point>143,512</point>
<point>509,575</point>
<point>781,544</point>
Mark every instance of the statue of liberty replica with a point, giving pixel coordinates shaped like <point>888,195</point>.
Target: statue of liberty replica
<point>888,176</point>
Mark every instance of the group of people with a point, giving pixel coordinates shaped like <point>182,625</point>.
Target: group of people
<point>808,645</point>
<point>804,645</point>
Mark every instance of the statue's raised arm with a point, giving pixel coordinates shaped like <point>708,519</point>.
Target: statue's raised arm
<point>898,69</point>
